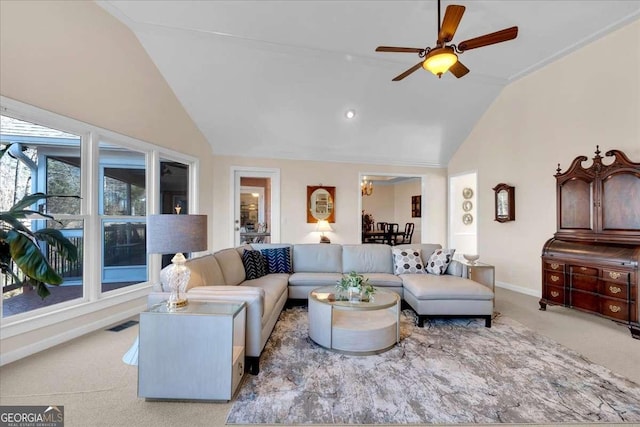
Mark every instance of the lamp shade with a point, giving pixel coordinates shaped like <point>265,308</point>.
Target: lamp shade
<point>171,234</point>
<point>323,226</point>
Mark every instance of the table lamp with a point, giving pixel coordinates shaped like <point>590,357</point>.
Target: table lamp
<point>175,234</point>
<point>323,226</point>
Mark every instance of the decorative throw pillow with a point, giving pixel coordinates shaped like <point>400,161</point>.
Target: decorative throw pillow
<point>278,260</point>
<point>407,261</point>
<point>255,265</point>
<point>439,261</point>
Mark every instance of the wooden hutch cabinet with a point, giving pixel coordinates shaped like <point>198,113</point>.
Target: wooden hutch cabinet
<point>591,263</point>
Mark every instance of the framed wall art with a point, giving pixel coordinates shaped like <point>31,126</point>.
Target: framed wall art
<point>321,204</point>
<point>416,206</point>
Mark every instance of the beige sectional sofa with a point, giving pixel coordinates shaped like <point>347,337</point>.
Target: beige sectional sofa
<point>221,277</point>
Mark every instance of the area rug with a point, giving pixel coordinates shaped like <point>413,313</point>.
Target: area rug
<point>450,371</point>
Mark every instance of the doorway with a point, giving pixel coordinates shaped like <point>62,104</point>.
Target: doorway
<point>255,205</point>
<point>392,198</point>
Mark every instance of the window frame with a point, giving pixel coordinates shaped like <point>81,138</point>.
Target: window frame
<point>93,298</point>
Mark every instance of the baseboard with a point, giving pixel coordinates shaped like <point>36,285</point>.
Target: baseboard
<point>52,341</point>
<point>527,291</point>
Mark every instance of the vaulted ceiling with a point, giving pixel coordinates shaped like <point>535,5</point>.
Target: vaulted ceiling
<point>275,78</point>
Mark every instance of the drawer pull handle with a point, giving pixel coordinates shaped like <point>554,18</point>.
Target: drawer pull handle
<point>615,289</point>
<point>614,308</point>
<point>555,294</point>
<point>555,266</point>
<point>554,278</point>
<point>614,274</point>
<point>583,268</point>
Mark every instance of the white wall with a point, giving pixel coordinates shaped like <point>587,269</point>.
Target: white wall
<point>75,59</point>
<point>381,203</point>
<point>296,175</point>
<point>404,190</point>
<point>591,97</point>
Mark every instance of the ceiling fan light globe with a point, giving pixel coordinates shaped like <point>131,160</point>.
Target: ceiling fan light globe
<point>439,60</point>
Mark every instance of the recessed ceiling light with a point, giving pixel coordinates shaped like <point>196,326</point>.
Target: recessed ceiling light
<point>350,114</point>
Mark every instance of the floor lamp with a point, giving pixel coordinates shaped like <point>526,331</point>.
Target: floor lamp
<point>176,234</point>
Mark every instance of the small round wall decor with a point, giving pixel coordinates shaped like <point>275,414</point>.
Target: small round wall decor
<point>467,193</point>
<point>467,205</point>
<point>467,219</point>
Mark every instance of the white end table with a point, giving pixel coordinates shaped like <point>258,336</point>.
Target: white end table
<point>193,353</point>
<point>481,273</point>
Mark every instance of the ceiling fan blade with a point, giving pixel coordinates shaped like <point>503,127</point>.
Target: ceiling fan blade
<point>488,39</point>
<point>409,71</point>
<point>399,49</point>
<point>452,17</point>
<point>458,69</point>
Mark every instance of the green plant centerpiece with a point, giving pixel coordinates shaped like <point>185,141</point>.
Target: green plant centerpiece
<point>355,287</point>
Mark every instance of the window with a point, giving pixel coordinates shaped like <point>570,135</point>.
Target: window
<point>50,154</point>
<point>31,166</point>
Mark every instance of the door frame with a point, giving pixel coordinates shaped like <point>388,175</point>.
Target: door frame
<point>238,172</point>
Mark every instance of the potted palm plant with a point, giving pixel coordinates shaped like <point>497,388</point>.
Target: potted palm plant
<point>19,245</point>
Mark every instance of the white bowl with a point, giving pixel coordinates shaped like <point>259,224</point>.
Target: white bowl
<point>471,258</point>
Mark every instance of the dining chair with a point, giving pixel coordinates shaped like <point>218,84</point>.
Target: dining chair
<point>392,232</point>
<point>407,235</point>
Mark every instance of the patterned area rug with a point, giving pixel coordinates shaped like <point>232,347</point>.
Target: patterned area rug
<point>452,371</point>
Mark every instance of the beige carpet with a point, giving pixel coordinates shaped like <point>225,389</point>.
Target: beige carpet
<point>88,377</point>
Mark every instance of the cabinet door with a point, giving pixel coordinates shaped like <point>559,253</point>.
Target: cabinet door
<point>575,205</point>
<point>620,204</point>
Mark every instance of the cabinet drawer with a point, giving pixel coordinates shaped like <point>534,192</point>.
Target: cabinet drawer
<point>555,294</point>
<point>616,276</point>
<point>585,283</point>
<point>612,289</point>
<point>554,279</point>
<point>556,266</point>
<point>587,271</point>
<point>614,308</point>
<point>585,300</point>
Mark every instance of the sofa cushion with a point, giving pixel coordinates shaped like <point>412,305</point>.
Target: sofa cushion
<point>314,279</point>
<point>231,265</point>
<point>274,286</point>
<point>439,261</point>
<point>278,260</point>
<point>455,268</point>
<point>383,279</point>
<point>317,258</point>
<point>407,261</point>
<point>254,264</point>
<point>369,258</point>
<point>204,271</point>
<point>446,287</point>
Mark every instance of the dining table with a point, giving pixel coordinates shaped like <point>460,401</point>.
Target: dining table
<point>381,236</point>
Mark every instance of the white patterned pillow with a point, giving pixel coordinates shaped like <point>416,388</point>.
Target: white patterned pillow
<point>407,261</point>
<point>439,261</point>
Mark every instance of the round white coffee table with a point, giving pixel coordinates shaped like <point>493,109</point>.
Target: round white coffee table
<point>354,327</point>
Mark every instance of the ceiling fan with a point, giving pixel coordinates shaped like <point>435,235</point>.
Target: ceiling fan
<point>442,57</point>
